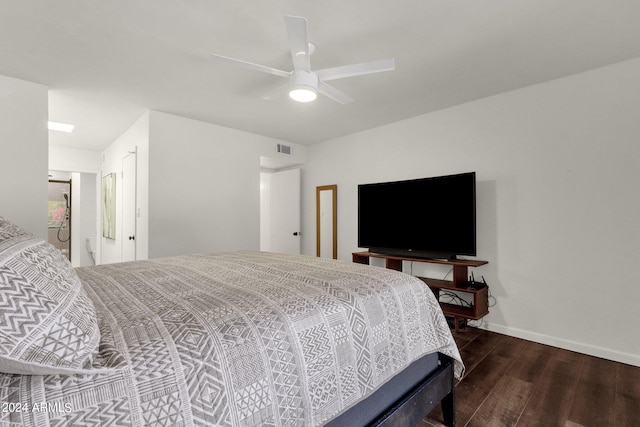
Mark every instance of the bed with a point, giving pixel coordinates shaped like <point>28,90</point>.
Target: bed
<point>241,338</point>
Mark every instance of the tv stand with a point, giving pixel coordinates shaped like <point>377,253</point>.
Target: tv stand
<point>480,305</point>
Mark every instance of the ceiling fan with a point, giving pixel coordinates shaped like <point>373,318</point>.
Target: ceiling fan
<point>305,84</point>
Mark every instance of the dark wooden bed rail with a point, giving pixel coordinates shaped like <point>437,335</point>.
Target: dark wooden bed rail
<point>417,403</point>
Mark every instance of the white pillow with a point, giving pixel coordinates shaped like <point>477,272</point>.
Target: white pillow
<point>48,324</point>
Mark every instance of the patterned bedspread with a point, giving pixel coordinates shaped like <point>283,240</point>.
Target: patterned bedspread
<point>243,338</point>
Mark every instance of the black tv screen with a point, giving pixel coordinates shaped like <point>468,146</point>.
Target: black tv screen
<point>429,217</point>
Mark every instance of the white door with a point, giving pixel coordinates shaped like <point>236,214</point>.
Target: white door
<point>285,212</point>
<point>129,207</point>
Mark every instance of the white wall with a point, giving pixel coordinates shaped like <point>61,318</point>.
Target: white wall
<point>73,160</point>
<point>136,138</point>
<point>558,208</point>
<point>24,154</point>
<point>204,186</point>
<point>84,215</point>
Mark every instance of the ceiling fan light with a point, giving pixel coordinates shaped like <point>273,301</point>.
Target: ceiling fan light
<point>303,94</point>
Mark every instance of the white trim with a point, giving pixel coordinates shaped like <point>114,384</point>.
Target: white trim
<point>605,353</point>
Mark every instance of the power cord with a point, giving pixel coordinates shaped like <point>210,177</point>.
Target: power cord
<point>453,298</point>
<point>491,298</point>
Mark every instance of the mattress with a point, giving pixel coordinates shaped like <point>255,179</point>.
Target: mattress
<point>243,338</point>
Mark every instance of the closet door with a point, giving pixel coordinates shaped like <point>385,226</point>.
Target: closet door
<point>285,212</point>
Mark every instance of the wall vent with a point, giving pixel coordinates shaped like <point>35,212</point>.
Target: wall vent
<point>284,149</point>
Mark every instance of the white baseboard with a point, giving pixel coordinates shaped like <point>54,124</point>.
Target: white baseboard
<point>605,353</point>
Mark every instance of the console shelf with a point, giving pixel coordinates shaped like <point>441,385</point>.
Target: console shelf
<point>480,305</point>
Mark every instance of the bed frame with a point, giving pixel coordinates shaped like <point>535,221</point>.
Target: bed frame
<point>410,406</point>
<point>438,387</point>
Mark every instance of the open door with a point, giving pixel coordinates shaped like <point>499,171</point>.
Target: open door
<point>284,212</point>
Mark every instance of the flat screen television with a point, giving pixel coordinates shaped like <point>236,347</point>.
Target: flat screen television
<point>423,218</point>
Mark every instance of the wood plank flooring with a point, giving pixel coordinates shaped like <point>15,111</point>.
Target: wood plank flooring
<point>513,382</point>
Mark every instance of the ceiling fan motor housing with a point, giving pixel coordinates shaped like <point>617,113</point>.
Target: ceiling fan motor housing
<point>303,86</point>
<point>303,80</point>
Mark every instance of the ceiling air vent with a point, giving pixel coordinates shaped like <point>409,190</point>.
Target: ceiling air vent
<point>284,149</point>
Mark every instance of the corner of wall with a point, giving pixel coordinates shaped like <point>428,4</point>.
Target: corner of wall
<point>24,112</point>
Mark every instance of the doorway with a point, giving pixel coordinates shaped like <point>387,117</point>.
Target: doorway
<point>81,224</point>
<point>59,216</point>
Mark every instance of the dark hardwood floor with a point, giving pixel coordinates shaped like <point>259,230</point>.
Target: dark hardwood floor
<point>514,382</point>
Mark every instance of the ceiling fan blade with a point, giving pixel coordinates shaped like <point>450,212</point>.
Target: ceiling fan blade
<point>249,65</point>
<point>298,42</point>
<point>276,93</point>
<point>356,69</point>
<point>333,93</point>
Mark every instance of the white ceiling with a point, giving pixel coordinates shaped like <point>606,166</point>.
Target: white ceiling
<point>107,61</point>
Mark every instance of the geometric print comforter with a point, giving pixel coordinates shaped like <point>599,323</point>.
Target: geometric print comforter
<point>236,339</point>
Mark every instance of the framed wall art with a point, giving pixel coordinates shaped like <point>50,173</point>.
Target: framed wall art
<point>109,206</point>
